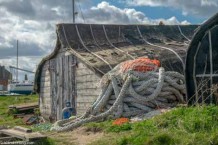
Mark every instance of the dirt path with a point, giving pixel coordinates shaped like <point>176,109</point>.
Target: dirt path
<point>80,136</point>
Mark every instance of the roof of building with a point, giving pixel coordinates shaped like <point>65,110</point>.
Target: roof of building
<point>101,47</point>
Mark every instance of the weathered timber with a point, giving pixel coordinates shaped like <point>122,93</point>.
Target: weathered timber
<point>26,136</point>
<point>84,53</point>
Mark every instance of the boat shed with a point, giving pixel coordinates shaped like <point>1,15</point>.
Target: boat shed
<point>85,52</point>
<point>5,76</point>
<point>202,64</point>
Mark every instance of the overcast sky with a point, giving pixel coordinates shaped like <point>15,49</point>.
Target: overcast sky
<point>32,22</point>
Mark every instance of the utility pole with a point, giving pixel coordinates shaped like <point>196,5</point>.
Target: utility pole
<point>73,6</point>
<point>17,63</point>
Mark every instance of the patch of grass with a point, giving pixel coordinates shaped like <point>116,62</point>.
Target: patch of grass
<point>5,118</point>
<point>46,141</point>
<point>191,126</point>
<point>108,127</point>
<point>45,127</point>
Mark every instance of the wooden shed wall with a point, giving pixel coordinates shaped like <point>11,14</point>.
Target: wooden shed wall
<point>62,80</point>
<point>45,93</point>
<point>88,87</point>
<point>57,85</point>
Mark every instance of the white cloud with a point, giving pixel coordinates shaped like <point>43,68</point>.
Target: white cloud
<point>106,13</point>
<point>33,24</point>
<point>201,8</point>
<point>26,63</point>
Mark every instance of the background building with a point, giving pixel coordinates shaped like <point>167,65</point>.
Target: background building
<point>5,76</point>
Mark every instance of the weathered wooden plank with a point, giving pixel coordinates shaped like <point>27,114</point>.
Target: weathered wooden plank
<point>48,83</point>
<point>88,85</point>
<point>22,135</point>
<point>91,92</point>
<point>83,72</point>
<point>73,79</point>
<point>22,129</point>
<point>67,79</point>
<point>89,77</point>
<point>44,87</point>
<point>70,92</point>
<point>44,73</point>
<point>86,99</point>
<point>46,79</point>
<point>53,88</point>
<point>8,138</point>
<point>46,91</point>
<point>65,65</point>
<point>60,88</point>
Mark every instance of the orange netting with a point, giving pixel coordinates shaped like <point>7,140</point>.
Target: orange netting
<point>140,64</point>
<point>120,121</point>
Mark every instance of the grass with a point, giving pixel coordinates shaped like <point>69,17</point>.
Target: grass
<point>5,118</point>
<point>181,126</point>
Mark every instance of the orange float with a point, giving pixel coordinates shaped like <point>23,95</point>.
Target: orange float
<point>120,121</point>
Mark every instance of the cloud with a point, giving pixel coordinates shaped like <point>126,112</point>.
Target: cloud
<point>34,37</point>
<point>33,22</point>
<point>20,7</point>
<point>25,63</point>
<point>200,8</point>
<point>107,13</point>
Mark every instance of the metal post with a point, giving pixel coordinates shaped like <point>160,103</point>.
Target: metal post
<point>17,63</point>
<point>73,6</point>
<point>211,68</point>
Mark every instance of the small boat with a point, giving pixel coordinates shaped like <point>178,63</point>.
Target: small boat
<point>20,88</point>
<point>24,88</point>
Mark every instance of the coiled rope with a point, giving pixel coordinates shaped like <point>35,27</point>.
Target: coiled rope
<point>129,94</point>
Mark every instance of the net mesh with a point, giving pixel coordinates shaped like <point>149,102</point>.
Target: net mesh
<point>140,65</point>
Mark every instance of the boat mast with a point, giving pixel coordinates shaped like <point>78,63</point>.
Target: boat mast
<point>17,63</point>
<point>73,6</point>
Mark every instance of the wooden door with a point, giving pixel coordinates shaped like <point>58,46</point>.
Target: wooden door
<point>63,84</point>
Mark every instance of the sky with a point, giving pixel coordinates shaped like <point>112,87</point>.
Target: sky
<point>33,22</point>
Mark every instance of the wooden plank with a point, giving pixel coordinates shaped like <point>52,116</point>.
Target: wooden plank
<point>74,85</point>
<point>70,90</point>
<point>45,92</point>
<point>22,135</point>
<point>57,87</point>
<point>88,85</point>
<point>23,105</point>
<point>45,84</point>
<point>22,129</point>
<point>52,72</point>
<point>60,88</point>
<point>46,79</point>
<point>89,77</point>
<point>90,92</point>
<point>54,99</point>
<point>6,139</point>
<point>67,79</point>
<point>65,66</point>
<point>86,99</point>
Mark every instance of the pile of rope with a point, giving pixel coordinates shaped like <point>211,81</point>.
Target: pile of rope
<point>131,93</point>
